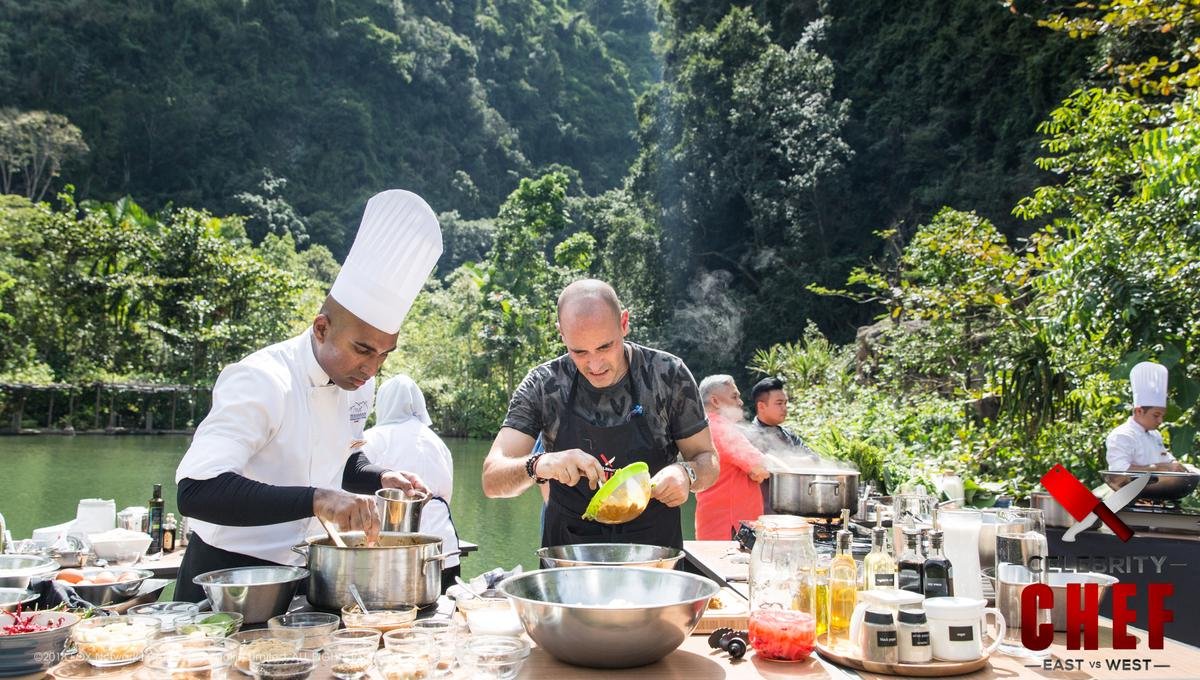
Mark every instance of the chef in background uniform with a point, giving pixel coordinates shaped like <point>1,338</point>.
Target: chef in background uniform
<point>281,443</point>
<point>1136,443</point>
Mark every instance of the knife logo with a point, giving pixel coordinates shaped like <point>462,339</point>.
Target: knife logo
<point>1078,500</point>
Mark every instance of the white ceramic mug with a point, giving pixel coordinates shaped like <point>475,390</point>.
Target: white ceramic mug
<point>957,625</point>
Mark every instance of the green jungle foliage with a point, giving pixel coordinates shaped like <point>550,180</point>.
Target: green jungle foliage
<point>209,104</point>
<point>998,361</point>
<point>1015,208</point>
<point>102,291</point>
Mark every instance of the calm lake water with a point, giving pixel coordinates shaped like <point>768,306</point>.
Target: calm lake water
<point>45,476</point>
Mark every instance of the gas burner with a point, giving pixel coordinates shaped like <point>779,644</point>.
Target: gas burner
<point>1161,516</point>
<point>824,528</point>
<point>824,533</point>
<point>1150,505</point>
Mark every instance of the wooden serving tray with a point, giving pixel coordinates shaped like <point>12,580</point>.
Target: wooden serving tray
<point>933,669</point>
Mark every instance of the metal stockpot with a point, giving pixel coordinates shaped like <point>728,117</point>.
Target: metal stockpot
<point>401,568</point>
<point>813,494</point>
<point>1053,512</point>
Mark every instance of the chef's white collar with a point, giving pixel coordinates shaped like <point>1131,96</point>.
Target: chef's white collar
<point>317,377</point>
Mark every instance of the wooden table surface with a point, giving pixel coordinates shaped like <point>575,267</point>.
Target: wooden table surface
<point>1176,660</point>
<point>695,661</point>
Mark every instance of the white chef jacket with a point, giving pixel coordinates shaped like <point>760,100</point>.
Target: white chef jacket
<point>413,447</point>
<point>276,419</point>
<point>1131,444</point>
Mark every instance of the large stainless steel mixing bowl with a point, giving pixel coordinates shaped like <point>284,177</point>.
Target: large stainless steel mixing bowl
<point>26,654</point>
<point>609,617</point>
<point>614,554</point>
<point>101,594</point>
<point>17,570</point>
<point>257,593</point>
<point>11,598</point>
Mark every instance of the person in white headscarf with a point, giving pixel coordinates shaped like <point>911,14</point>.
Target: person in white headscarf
<point>402,439</point>
<point>1136,443</point>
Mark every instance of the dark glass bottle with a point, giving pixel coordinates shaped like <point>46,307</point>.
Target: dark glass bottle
<point>169,536</point>
<point>155,517</point>
<point>910,568</point>
<point>939,573</point>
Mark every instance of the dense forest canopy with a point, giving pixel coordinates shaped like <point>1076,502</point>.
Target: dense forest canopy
<point>1008,189</point>
<point>198,103</point>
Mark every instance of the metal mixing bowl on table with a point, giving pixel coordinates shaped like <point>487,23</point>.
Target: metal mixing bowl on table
<point>609,617</point>
<point>609,554</point>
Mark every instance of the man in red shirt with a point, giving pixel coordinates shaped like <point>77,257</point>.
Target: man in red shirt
<point>736,495</point>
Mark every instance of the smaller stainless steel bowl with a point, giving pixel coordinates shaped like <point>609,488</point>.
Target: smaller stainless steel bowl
<point>608,617</point>
<point>1163,486</point>
<point>17,570</point>
<point>609,554</point>
<point>11,597</point>
<point>257,593</point>
<point>101,594</point>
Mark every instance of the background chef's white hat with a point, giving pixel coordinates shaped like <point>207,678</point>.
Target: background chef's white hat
<point>1149,383</point>
<point>398,243</point>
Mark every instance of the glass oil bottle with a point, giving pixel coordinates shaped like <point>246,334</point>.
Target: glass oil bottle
<point>843,586</point>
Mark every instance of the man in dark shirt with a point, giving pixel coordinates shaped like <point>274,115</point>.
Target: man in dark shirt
<point>767,431</point>
<point>771,409</point>
<point>603,405</point>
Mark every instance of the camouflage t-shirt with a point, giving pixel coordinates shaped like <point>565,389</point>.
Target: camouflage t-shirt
<point>669,398</point>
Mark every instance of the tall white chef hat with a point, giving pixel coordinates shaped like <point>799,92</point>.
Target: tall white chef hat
<point>1149,383</point>
<point>398,243</point>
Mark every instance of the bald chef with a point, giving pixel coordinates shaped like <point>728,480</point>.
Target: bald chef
<point>1136,444</point>
<point>281,442</point>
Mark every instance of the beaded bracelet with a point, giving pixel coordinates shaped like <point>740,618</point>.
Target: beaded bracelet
<point>531,463</point>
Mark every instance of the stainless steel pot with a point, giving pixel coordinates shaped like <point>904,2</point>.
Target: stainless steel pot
<point>401,568</point>
<point>1052,511</point>
<point>813,494</point>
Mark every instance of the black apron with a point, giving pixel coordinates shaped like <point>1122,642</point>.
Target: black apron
<point>201,558</point>
<point>628,442</point>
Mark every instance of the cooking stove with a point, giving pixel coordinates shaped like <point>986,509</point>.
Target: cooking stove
<point>1161,517</point>
<point>824,535</point>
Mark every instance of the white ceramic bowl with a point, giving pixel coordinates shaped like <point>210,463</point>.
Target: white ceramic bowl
<point>120,546</point>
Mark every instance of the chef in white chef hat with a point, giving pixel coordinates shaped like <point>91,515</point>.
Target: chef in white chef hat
<point>1136,444</point>
<point>282,441</point>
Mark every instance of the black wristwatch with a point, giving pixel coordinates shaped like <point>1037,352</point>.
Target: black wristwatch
<point>531,463</point>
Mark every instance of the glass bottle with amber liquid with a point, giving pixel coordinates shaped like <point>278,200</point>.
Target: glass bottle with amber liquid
<point>939,573</point>
<point>879,569</point>
<point>910,568</point>
<point>843,587</point>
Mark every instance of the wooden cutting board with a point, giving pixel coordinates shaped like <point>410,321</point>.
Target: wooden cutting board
<point>733,612</point>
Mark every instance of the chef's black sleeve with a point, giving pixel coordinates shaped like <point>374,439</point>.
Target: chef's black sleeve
<point>233,500</point>
<point>361,475</point>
